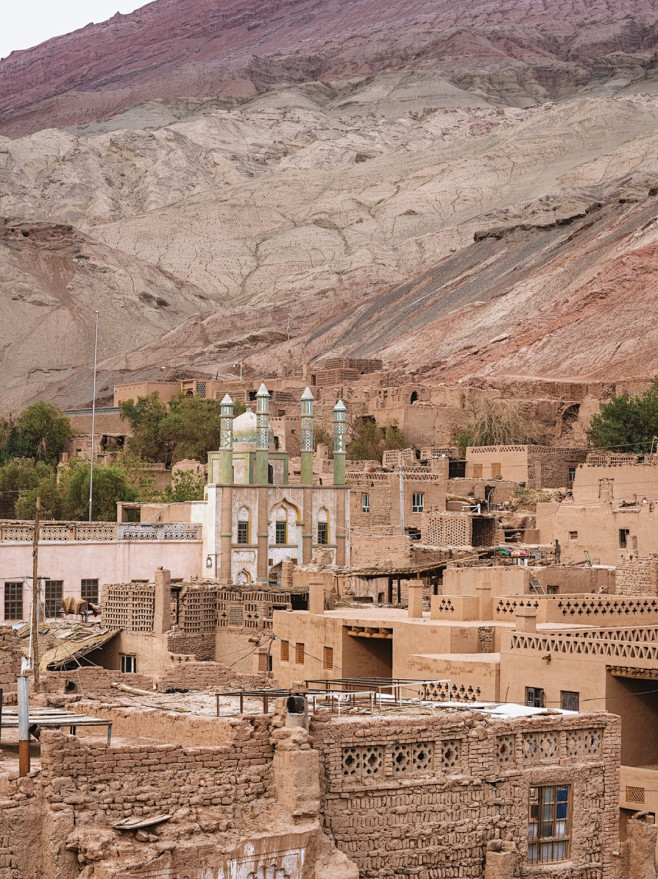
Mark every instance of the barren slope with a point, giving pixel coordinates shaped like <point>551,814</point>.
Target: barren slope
<point>518,51</point>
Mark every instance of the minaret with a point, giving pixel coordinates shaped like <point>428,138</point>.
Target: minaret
<point>226,441</point>
<point>340,413</point>
<point>307,437</point>
<point>262,435</point>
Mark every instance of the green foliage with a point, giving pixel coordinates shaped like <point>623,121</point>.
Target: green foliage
<point>321,435</point>
<point>371,441</point>
<point>188,427</point>
<point>19,478</point>
<point>145,418</point>
<point>627,423</point>
<point>186,485</point>
<point>110,485</point>
<point>39,432</point>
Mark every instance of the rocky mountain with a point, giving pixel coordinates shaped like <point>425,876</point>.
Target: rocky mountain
<point>518,51</point>
<point>390,203</point>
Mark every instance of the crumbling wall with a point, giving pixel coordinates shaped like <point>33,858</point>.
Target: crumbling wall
<point>104,785</point>
<point>425,796</point>
<point>10,659</point>
<point>385,551</point>
<point>637,576</point>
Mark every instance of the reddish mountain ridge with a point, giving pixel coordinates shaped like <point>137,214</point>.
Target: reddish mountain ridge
<point>515,51</point>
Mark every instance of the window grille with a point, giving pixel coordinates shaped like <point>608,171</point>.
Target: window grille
<point>280,535</point>
<point>328,658</point>
<point>89,591</point>
<point>54,590</point>
<point>243,532</point>
<point>569,700</point>
<point>365,503</point>
<point>323,533</point>
<point>13,601</point>
<point>418,504</point>
<point>285,651</point>
<point>534,697</point>
<point>299,653</point>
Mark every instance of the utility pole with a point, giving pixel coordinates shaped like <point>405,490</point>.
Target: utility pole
<point>289,316</point>
<point>93,421</point>
<point>35,598</point>
<point>401,475</point>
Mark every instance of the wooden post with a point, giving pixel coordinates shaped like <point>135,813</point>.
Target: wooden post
<point>241,702</point>
<point>23,726</point>
<point>35,599</point>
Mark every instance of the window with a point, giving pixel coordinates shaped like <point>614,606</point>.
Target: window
<point>552,590</point>
<point>496,470</point>
<point>128,663</point>
<point>623,537</point>
<point>534,697</point>
<point>13,601</point>
<point>243,532</point>
<point>285,651</point>
<point>328,659</point>
<point>477,471</point>
<point>573,535</point>
<point>89,591</point>
<point>323,533</point>
<point>280,532</point>
<point>569,700</point>
<point>54,589</point>
<point>418,503</point>
<point>572,474</point>
<point>299,654</point>
<point>365,503</point>
<point>548,824</point>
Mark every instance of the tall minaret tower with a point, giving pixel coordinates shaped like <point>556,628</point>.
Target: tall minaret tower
<point>340,414</point>
<point>307,437</point>
<point>262,434</point>
<point>226,441</point>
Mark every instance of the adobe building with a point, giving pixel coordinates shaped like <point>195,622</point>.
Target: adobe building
<point>302,793</point>
<point>613,510</point>
<point>528,465</point>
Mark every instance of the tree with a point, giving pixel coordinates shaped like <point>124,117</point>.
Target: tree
<point>51,499</point>
<point>39,432</point>
<point>19,478</point>
<point>186,485</point>
<point>627,423</point>
<point>110,485</point>
<point>145,418</point>
<point>371,441</point>
<point>191,428</point>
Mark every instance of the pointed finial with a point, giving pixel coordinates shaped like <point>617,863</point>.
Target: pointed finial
<point>262,391</point>
<point>307,395</point>
<point>227,401</point>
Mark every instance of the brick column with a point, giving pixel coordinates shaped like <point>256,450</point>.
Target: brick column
<point>162,602</point>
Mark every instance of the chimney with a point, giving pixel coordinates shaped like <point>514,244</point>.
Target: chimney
<point>316,595</point>
<point>162,608</point>
<point>526,619</point>
<point>415,603</point>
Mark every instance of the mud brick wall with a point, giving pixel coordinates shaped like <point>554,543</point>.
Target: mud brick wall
<point>10,659</point>
<point>422,796</point>
<point>379,495</point>
<point>129,606</point>
<point>104,785</point>
<point>93,681</point>
<point>206,676</point>
<point>637,576</point>
<point>380,551</point>
<point>202,646</point>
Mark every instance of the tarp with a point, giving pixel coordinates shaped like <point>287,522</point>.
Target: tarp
<point>64,641</point>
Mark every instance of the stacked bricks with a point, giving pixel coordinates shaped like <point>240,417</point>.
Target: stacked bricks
<point>445,529</point>
<point>424,796</point>
<point>637,576</point>
<point>198,609</point>
<point>104,785</point>
<point>129,606</point>
<point>250,608</point>
<point>10,659</point>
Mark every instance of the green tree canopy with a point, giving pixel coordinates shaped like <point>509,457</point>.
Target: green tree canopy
<point>18,478</point>
<point>371,441</point>
<point>145,418</point>
<point>627,423</point>
<point>39,432</point>
<point>110,485</point>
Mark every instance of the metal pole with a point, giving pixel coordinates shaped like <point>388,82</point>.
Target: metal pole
<point>93,421</point>
<point>23,726</point>
<point>35,599</point>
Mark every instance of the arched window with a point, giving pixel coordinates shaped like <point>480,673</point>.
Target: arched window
<point>243,578</point>
<point>414,397</point>
<point>270,474</point>
<point>323,527</point>
<point>244,525</point>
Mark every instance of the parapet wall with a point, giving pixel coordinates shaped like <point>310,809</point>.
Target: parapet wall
<point>637,576</point>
